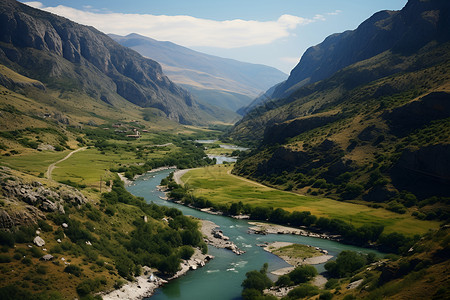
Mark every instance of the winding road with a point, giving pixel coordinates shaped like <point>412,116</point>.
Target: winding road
<point>53,165</point>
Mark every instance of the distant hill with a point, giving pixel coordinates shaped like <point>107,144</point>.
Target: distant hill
<point>219,81</point>
<point>67,56</point>
<point>374,125</point>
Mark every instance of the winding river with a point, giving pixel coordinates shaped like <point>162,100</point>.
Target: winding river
<point>221,278</point>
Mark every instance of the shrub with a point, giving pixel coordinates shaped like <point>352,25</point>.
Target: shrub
<point>346,264</point>
<point>87,286</point>
<point>257,280</point>
<point>186,252</point>
<point>5,258</point>
<point>302,274</point>
<point>326,296</point>
<point>45,226</point>
<point>72,269</point>
<point>284,280</point>
<point>331,283</point>
<point>303,291</point>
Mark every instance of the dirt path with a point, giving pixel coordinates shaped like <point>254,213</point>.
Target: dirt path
<point>53,165</point>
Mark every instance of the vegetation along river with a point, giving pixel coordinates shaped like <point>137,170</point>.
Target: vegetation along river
<point>221,278</point>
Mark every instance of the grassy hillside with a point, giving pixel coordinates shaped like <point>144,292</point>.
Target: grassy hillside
<point>371,134</point>
<point>101,247</point>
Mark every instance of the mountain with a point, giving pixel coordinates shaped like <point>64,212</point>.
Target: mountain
<point>374,131</point>
<point>400,31</point>
<point>219,81</point>
<point>67,56</point>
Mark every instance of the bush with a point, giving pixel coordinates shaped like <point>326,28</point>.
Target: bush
<point>326,296</point>
<point>6,238</point>
<point>87,286</point>
<point>303,291</point>
<point>332,283</point>
<point>302,274</point>
<point>257,280</point>
<point>284,280</point>
<point>186,252</point>
<point>45,226</point>
<point>72,269</point>
<point>5,258</point>
<point>347,263</point>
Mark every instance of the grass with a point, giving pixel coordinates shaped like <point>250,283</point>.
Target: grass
<point>32,162</point>
<point>297,251</point>
<point>216,184</point>
<point>87,167</point>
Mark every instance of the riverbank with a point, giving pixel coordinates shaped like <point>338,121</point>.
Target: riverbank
<point>128,182</point>
<point>266,228</point>
<point>145,285</point>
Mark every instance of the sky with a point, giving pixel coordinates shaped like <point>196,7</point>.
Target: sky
<point>270,32</point>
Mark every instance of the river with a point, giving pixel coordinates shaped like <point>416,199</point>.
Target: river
<point>221,278</point>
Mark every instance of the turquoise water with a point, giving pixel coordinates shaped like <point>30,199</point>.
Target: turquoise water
<point>221,278</point>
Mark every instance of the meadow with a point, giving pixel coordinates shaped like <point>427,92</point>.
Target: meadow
<point>217,184</point>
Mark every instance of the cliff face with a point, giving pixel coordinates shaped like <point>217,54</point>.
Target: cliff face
<point>51,49</point>
<point>405,31</point>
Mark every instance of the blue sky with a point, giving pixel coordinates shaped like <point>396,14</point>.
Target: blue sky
<point>270,32</point>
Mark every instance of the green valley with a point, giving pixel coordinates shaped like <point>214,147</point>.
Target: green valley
<point>216,184</point>
<point>115,180</point>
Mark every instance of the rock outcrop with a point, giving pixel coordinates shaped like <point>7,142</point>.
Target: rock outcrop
<point>34,200</point>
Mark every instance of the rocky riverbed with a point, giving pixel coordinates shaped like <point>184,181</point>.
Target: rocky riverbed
<point>214,237</point>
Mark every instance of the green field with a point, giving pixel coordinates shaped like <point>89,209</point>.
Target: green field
<point>32,162</point>
<point>87,167</point>
<point>216,184</point>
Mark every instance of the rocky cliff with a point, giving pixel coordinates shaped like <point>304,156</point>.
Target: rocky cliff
<point>27,202</point>
<point>67,55</point>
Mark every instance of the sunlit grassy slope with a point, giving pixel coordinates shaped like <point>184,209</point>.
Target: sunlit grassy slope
<point>219,186</point>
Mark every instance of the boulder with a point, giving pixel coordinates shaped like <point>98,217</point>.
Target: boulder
<point>39,241</point>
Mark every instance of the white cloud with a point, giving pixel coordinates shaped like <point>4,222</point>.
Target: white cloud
<point>334,13</point>
<point>186,30</point>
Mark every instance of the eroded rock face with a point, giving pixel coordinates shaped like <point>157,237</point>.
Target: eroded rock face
<point>32,200</point>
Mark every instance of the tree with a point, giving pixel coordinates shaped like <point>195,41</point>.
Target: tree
<point>284,280</point>
<point>257,280</point>
<point>302,274</point>
<point>346,264</point>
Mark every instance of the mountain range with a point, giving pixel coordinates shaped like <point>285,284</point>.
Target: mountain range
<point>222,82</point>
<point>67,56</point>
<point>364,115</point>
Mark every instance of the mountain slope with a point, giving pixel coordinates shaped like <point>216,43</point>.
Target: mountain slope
<point>65,55</point>
<point>375,132</point>
<point>403,32</point>
<point>235,83</point>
